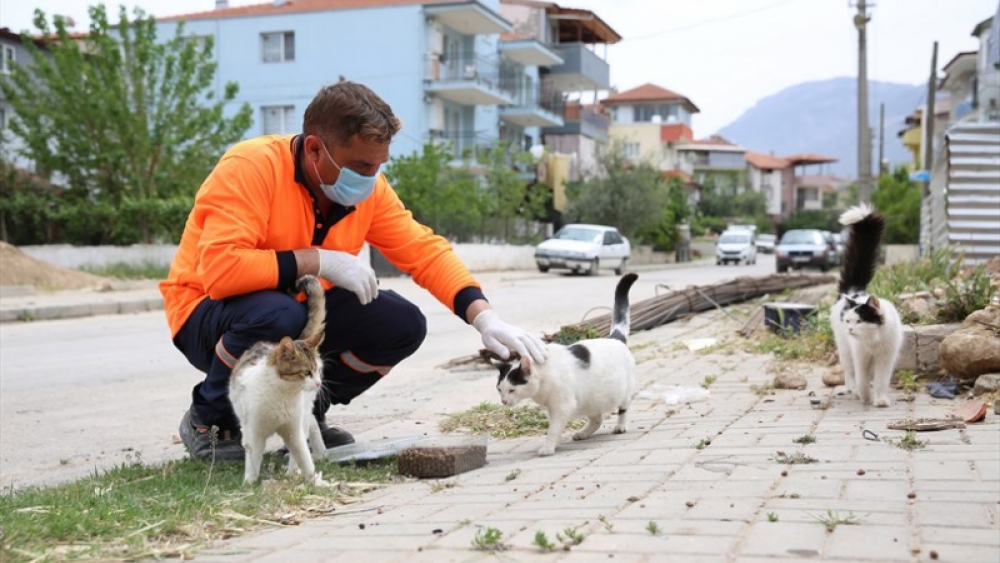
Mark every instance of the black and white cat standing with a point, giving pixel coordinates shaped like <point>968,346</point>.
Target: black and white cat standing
<point>589,378</point>
<point>867,330</point>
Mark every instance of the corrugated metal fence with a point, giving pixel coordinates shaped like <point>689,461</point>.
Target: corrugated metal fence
<point>973,192</point>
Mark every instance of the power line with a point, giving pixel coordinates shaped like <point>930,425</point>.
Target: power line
<point>707,22</point>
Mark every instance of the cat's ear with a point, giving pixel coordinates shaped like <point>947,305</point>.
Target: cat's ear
<point>874,303</point>
<point>286,348</point>
<point>850,302</point>
<point>315,340</point>
<point>526,366</point>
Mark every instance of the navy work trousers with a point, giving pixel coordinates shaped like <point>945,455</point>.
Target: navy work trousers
<point>362,343</point>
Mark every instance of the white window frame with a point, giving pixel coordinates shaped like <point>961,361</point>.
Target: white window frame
<point>285,116</point>
<point>282,52</point>
<point>631,151</point>
<point>8,53</point>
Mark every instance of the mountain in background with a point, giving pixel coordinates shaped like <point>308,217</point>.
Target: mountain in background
<point>821,117</point>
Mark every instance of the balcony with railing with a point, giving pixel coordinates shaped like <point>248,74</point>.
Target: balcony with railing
<point>464,144</point>
<point>532,108</point>
<point>466,78</point>
<point>581,120</point>
<point>580,70</point>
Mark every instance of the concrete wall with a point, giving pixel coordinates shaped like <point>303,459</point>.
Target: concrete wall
<point>895,253</point>
<point>478,257</point>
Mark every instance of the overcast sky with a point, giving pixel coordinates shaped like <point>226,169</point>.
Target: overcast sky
<point>722,54</point>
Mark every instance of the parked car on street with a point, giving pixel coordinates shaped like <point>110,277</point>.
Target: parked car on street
<point>765,243</point>
<point>804,248</point>
<point>736,246</point>
<point>584,248</point>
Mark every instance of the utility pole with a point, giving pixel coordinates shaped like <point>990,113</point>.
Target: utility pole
<point>861,20</point>
<point>881,140</point>
<point>929,115</point>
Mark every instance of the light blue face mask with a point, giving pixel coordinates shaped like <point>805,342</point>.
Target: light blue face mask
<point>350,188</point>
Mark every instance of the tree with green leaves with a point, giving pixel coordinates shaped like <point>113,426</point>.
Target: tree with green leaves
<point>127,120</point>
<point>898,199</point>
<point>507,193</point>
<point>629,196</point>
<point>443,197</point>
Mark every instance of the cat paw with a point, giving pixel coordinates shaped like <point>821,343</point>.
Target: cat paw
<point>882,401</point>
<point>545,451</point>
<point>581,435</point>
<point>620,429</point>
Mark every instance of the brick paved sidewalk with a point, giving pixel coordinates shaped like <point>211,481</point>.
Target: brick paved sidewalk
<point>730,500</point>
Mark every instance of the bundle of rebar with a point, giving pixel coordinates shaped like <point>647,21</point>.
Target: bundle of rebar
<point>662,309</point>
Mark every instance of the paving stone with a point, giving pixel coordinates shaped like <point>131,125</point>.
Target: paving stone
<point>955,514</point>
<point>783,538</point>
<point>866,542</point>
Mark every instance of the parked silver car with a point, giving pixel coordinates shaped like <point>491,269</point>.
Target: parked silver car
<point>581,247</point>
<point>805,248</point>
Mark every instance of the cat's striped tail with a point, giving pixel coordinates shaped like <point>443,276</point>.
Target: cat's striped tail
<point>861,254</point>
<point>315,306</point>
<point>620,315</point>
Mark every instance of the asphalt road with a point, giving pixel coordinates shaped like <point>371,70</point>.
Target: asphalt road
<point>81,395</point>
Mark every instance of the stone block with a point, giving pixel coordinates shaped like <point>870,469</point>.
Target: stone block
<point>920,347</point>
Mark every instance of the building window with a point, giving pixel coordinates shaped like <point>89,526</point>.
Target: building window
<point>277,47</point>
<point>631,151</point>
<point>7,59</point>
<point>279,120</point>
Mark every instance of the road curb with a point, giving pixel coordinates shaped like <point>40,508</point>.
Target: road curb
<point>69,311</point>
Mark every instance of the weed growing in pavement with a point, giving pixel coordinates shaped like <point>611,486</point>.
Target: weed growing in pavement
<point>908,441</point>
<point>761,389</point>
<point>499,421</point>
<point>832,519</point>
<point>136,511</point>
<point>797,458</point>
<point>772,517</point>
<point>906,380</point>
<point>606,523</point>
<point>488,539</point>
<point>653,528</point>
<point>542,541</point>
<point>703,443</point>
<point>807,439</point>
<point>708,381</point>
<point>570,536</point>
<point>572,333</point>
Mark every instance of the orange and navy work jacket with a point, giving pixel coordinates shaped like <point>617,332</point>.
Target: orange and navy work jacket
<point>254,209</point>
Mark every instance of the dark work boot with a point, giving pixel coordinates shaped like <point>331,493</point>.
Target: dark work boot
<point>209,444</point>
<point>334,436</point>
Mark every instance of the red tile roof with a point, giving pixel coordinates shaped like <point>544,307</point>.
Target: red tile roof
<point>809,158</point>
<point>716,140</point>
<point>675,132</point>
<point>766,161</point>
<point>649,93</point>
<point>297,6</point>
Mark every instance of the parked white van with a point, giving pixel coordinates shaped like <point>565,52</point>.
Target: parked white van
<point>736,246</point>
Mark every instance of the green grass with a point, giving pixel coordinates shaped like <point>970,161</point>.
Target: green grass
<point>813,343</point>
<point>126,271</point>
<point>908,441</point>
<point>499,421</point>
<point>136,511</point>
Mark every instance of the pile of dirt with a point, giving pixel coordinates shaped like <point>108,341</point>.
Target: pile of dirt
<point>17,268</point>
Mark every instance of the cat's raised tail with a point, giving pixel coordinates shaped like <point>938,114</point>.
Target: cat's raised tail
<point>620,316</point>
<point>316,305</point>
<point>861,254</point>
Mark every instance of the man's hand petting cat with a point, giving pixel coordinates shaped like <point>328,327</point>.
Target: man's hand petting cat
<point>501,338</point>
<point>349,272</point>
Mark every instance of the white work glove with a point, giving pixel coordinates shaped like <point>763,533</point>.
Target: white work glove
<point>349,272</point>
<point>500,338</point>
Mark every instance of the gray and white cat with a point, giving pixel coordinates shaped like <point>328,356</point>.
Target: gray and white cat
<point>586,379</point>
<point>273,387</point>
<point>867,330</point>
